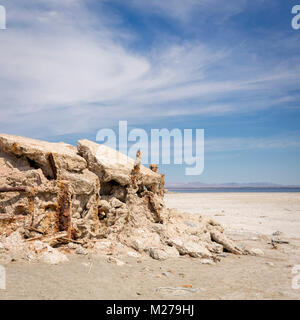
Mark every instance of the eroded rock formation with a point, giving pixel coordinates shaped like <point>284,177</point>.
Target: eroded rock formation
<point>96,197</point>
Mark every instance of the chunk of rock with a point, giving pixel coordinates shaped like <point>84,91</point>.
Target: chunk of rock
<point>81,250</point>
<point>115,203</point>
<point>195,250</point>
<point>279,240</point>
<point>171,251</point>
<point>72,245</point>
<point>94,193</point>
<point>228,244</point>
<point>190,248</point>
<point>104,206</point>
<point>116,261</point>
<point>144,240</point>
<point>163,253</point>
<point>133,254</point>
<point>158,254</point>
<point>102,245</point>
<point>45,167</point>
<point>40,251</point>
<point>111,165</point>
<point>14,243</point>
<point>206,261</point>
<point>36,151</point>
<point>256,252</point>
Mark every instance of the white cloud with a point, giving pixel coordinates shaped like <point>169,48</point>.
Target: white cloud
<point>64,69</point>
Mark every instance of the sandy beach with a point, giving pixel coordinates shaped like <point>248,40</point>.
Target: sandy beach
<point>249,218</point>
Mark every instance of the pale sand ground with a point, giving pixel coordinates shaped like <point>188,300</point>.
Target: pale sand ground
<point>261,213</point>
<point>247,217</point>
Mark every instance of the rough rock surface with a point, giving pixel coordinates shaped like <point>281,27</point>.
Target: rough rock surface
<point>111,165</point>
<point>40,251</point>
<point>95,197</point>
<point>36,152</point>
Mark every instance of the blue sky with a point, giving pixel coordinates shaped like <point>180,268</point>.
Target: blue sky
<point>71,67</point>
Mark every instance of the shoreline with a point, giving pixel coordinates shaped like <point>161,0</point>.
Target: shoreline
<point>234,190</point>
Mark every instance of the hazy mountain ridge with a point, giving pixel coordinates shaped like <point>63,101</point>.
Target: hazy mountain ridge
<point>196,185</point>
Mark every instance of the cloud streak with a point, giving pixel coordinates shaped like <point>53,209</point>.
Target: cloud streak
<point>186,10</point>
<point>68,70</point>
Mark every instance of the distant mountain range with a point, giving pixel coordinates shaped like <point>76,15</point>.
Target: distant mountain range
<point>199,185</point>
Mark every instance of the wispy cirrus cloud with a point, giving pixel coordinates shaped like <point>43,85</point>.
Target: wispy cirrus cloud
<point>185,10</point>
<point>61,58</point>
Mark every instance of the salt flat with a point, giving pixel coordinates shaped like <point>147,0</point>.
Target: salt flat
<point>258,213</point>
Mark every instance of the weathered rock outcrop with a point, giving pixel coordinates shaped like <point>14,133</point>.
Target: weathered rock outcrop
<point>94,196</point>
<point>111,165</point>
<point>37,153</point>
<point>54,176</point>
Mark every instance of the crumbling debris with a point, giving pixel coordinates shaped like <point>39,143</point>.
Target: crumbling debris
<point>34,229</point>
<point>97,199</point>
<point>116,261</point>
<point>256,252</point>
<point>59,235</point>
<point>158,254</point>
<point>81,250</point>
<point>279,241</point>
<point>40,251</point>
<point>207,261</point>
<point>71,241</point>
<point>229,245</point>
